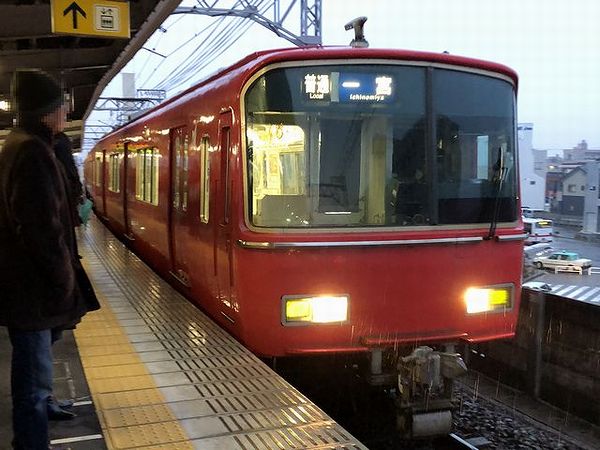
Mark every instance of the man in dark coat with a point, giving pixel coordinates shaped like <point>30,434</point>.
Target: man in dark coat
<point>39,266</point>
<point>60,409</point>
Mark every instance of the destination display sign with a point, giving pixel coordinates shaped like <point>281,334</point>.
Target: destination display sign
<point>342,87</point>
<point>317,86</point>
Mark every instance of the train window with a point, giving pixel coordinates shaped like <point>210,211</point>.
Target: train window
<point>139,175</point>
<point>114,172</point>
<point>180,143</point>
<point>205,180</point>
<point>146,175</point>
<point>184,174</point>
<point>98,169</point>
<point>362,145</point>
<point>474,118</point>
<point>278,172</point>
<point>225,171</point>
<point>176,171</point>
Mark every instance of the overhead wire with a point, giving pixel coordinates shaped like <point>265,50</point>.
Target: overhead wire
<point>224,35</point>
<point>181,17</point>
<point>200,48</point>
<point>205,30</point>
<point>216,45</point>
<point>157,43</point>
<point>207,42</point>
<point>224,43</point>
<point>220,42</point>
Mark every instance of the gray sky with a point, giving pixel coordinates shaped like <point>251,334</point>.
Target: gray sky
<point>554,45</point>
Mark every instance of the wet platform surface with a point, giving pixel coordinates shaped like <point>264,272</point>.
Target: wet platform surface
<point>151,371</point>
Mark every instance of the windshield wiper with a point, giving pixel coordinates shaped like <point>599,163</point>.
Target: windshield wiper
<point>501,169</point>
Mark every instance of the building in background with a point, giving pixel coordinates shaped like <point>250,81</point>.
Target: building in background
<point>532,170</point>
<point>554,178</point>
<point>569,181</point>
<point>581,153</point>
<point>573,192</point>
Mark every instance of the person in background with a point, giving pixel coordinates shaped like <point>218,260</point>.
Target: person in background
<point>40,274</point>
<point>63,149</point>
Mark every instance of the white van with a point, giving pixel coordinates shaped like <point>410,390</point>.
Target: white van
<point>539,230</point>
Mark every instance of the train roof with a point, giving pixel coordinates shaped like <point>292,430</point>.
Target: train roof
<point>254,61</point>
<point>259,59</point>
<point>343,52</point>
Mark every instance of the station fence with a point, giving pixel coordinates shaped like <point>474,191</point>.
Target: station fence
<point>555,355</point>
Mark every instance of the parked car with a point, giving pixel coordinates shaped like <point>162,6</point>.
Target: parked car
<point>536,250</point>
<point>562,259</point>
<point>526,212</point>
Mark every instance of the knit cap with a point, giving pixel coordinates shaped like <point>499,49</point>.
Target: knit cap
<point>35,92</point>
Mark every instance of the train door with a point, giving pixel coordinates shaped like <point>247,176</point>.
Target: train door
<point>179,143</point>
<point>223,245</point>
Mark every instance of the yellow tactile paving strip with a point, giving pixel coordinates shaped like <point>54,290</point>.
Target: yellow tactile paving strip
<point>164,376</point>
<point>115,375</point>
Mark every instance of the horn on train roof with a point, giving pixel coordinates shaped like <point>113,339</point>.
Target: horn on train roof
<point>359,36</point>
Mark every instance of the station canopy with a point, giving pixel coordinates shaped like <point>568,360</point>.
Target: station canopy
<point>83,64</point>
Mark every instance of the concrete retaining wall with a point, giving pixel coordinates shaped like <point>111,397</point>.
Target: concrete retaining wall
<point>556,358</point>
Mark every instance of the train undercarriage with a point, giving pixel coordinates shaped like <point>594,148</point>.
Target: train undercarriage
<point>422,383</point>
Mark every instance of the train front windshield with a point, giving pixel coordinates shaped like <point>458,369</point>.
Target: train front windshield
<point>361,145</point>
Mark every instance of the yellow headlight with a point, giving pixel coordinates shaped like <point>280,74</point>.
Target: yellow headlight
<point>297,309</point>
<point>480,300</point>
<point>324,309</point>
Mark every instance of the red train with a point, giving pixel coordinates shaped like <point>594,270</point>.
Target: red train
<point>333,200</point>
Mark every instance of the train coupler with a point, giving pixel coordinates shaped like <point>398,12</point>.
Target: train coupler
<point>425,392</point>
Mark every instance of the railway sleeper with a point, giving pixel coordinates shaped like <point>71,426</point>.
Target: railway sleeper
<point>424,388</point>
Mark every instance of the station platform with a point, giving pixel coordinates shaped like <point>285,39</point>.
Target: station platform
<point>151,371</point>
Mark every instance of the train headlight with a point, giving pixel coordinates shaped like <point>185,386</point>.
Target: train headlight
<point>300,310</point>
<point>492,298</point>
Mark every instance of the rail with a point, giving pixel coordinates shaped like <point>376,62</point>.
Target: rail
<point>458,442</point>
<point>593,270</point>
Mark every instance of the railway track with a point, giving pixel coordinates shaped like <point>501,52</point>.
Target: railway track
<point>457,442</point>
<point>480,421</point>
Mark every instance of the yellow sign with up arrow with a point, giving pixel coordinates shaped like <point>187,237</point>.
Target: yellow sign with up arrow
<point>91,18</point>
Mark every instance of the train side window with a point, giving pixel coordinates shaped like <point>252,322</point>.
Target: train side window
<point>175,170</point>
<point>146,175</point>
<point>205,180</point>
<point>184,175</point>
<point>180,169</point>
<point>155,156</point>
<point>139,175</point>
<point>98,169</point>
<point>114,172</point>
